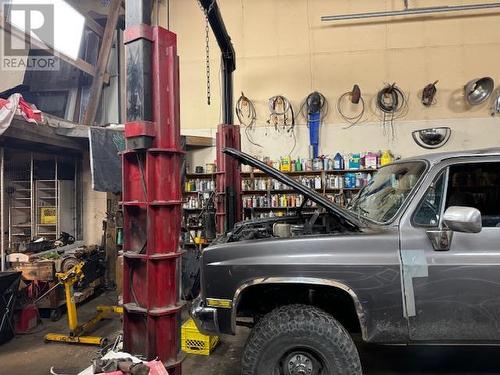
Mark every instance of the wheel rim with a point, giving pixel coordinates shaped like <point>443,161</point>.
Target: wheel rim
<point>300,362</point>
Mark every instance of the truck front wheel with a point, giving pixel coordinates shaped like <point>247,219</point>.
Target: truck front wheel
<point>300,340</point>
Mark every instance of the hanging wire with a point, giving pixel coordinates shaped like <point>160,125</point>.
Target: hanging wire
<point>282,117</point>
<point>281,113</point>
<point>392,103</point>
<point>245,111</point>
<point>356,118</point>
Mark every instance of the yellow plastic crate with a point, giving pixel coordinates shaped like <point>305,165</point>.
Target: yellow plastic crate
<point>194,342</point>
<point>48,215</point>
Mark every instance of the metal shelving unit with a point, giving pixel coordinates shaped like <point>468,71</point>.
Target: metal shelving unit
<point>343,194</point>
<point>47,200</point>
<point>33,185</point>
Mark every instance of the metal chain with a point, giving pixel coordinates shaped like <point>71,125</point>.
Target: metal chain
<point>207,52</point>
<point>207,46</point>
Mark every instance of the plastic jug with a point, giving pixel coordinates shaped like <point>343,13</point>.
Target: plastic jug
<point>338,161</point>
<point>354,161</point>
<point>386,158</point>
<point>371,160</point>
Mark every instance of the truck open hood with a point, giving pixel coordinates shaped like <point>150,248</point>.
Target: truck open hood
<point>299,188</point>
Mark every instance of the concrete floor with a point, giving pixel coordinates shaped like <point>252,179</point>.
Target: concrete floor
<point>28,354</point>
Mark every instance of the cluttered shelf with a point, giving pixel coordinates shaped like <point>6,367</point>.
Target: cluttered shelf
<point>277,191</point>
<point>280,208</point>
<point>200,175</point>
<point>311,172</point>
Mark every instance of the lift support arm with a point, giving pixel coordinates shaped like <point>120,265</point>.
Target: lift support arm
<point>228,56</point>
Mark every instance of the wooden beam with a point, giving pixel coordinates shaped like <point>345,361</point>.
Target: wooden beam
<point>73,130</point>
<point>93,25</point>
<point>32,134</point>
<point>102,62</point>
<point>196,141</point>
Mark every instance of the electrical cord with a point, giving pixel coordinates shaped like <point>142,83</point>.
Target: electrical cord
<point>393,104</point>
<point>392,100</point>
<point>356,118</point>
<point>280,108</point>
<point>247,115</point>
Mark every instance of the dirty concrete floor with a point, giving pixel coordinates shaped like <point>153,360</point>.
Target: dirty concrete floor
<point>29,355</point>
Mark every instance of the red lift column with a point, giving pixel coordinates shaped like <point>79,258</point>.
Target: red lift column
<point>151,191</point>
<point>228,178</point>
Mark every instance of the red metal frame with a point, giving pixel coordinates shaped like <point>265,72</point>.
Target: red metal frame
<point>152,199</point>
<point>228,175</point>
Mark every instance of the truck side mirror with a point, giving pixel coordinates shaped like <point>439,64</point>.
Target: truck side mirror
<point>463,219</point>
<point>455,219</point>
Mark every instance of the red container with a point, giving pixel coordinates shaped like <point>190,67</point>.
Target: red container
<point>26,319</point>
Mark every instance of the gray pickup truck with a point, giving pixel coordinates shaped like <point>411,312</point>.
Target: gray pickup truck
<point>415,259</point>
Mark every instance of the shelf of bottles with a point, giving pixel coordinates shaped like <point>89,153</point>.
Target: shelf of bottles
<point>263,196</point>
<point>198,190</point>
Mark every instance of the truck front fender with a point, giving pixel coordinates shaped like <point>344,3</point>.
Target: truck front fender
<point>302,281</point>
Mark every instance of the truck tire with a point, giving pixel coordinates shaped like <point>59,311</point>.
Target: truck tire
<point>300,340</point>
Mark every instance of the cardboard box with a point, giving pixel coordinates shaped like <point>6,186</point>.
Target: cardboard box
<point>41,271</point>
<point>48,215</point>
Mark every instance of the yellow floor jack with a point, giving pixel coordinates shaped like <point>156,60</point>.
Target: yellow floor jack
<point>78,333</point>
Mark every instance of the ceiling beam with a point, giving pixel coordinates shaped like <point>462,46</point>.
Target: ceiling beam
<point>102,62</point>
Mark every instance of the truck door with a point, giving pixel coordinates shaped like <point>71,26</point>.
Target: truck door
<point>454,294</point>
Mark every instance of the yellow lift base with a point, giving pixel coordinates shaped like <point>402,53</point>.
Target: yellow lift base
<point>78,333</point>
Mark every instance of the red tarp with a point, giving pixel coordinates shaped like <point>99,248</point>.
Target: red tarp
<point>16,105</point>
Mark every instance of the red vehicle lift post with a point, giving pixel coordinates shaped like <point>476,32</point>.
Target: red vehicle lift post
<point>152,196</point>
<point>228,178</point>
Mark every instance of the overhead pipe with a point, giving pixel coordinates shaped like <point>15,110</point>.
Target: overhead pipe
<point>409,11</point>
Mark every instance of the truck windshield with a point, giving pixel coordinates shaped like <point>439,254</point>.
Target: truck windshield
<point>388,190</point>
